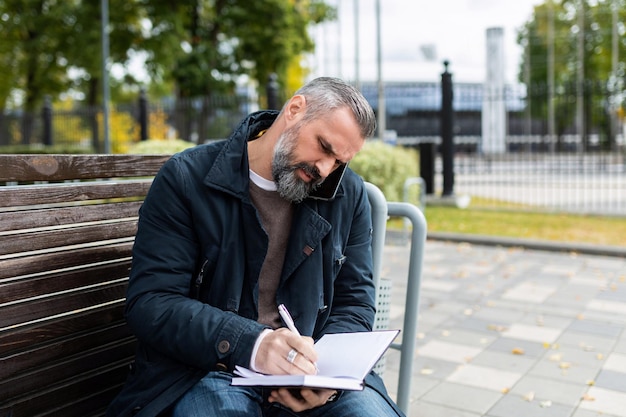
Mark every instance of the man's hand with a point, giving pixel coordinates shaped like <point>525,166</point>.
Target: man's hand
<point>304,400</point>
<point>274,356</point>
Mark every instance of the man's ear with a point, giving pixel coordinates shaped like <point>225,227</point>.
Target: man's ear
<point>295,107</point>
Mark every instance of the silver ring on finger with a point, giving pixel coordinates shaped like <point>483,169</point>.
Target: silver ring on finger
<point>291,356</point>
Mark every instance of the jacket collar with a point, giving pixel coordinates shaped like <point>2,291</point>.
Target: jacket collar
<point>229,172</point>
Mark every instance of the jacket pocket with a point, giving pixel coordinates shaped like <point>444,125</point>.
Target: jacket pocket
<point>203,275</point>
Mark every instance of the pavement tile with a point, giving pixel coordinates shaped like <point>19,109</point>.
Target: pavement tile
<point>516,406</point>
<point>605,401</point>
<point>462,397</point>
<point>451,352</point>
<point>508,345</point>
<point>615,362</point>
<point>596,328</point>
<point>607,306</point>
<point>506,361</point>
<point>615,381</point>
<point>587,413</point>
<point>435,285</point>
<point>530,292</point>
<point>433,368</point>
<point>581,339</point>
<point>485,377</point>
<point>499,314</point>
<point>589,356</point>
<point>564,371</point>
<point>532,333</point>
<point>536,389</point>
<point>424,409</point>
<point>468,338</point>
<point>547,320</point>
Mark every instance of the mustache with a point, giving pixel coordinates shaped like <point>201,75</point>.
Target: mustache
<point>310,170</point>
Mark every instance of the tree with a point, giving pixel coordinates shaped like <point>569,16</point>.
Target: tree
<point>564,18</point>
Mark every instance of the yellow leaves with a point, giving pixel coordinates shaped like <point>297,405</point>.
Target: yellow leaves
<point>497,328</point>
<point>518,351</point>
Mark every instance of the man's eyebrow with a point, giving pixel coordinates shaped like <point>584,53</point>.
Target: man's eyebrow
<point>328,147</point>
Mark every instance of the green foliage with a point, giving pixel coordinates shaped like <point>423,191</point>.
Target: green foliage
<point>563,18</point>
<point>159,147</point>
<point>386,166</point>
<point>40,149</point>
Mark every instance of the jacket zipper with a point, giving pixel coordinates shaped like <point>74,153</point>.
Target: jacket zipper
<point>195,290</point>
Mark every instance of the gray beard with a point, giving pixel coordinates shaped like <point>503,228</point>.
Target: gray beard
<point>289,185</point>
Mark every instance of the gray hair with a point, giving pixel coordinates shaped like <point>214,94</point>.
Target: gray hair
<point>325,94</point>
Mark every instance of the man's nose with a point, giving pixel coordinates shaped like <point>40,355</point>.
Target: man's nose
<point>325,166</point>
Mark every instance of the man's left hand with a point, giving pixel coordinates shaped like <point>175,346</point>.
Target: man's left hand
<point>307,399</point>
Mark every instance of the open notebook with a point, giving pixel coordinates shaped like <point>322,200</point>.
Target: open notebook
<point>344,359</point>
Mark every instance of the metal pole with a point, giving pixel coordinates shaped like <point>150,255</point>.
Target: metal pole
<point>381,88</point>
<point>580,77</point>
<point>447,135</point>
<point>357,76</point>
<point>614,77</point>
<point>551,124</point>
<point>104,33</point>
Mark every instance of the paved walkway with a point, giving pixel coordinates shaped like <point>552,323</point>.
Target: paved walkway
<point>509,332</point>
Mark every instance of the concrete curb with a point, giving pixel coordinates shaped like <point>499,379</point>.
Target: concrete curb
<point>577,247</point>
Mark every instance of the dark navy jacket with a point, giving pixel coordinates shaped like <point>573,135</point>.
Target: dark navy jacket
<point>192,295</point>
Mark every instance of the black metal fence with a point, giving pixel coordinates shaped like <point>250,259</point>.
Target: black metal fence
<point>580,168</point>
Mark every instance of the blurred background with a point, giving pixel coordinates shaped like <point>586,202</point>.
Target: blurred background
<point>535,101</point>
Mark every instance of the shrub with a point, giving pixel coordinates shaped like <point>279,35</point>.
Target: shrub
<point>387,167</point>
<point>159,146</point>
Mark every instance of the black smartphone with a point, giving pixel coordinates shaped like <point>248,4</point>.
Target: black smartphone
<point>328,189</point>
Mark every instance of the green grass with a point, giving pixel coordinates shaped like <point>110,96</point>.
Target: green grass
<point>525,224</point>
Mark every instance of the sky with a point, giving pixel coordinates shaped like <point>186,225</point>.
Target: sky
<point>453,30</point>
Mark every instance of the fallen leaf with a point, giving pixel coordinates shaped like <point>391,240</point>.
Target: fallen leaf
<point>518,351</point>
<point>529,397</point>
<point>496,328</point>
<point>506,390</point>
<point>591,382</point>
<point>587,397</point>
<point>565,365</point>
<point>599,356</point>
<point>545,404</point>
<point>556,357</point>
<point>427,371</point>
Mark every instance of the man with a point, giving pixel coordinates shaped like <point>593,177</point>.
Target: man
<point>232,229</point>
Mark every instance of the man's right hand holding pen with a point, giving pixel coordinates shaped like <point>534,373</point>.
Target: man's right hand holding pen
<point>285,351</point>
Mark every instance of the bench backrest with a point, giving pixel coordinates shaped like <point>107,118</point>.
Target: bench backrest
<point>67,224</point>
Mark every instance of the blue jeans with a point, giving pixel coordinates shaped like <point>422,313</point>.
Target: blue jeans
<point>214,396</point>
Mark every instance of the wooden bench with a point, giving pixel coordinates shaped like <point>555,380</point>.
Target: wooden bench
<point>66,234</point>
<point>67,225</point>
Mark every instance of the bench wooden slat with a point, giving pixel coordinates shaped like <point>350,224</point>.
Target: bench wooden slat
<point>19,220</point>
<point>70,303</point>
<point>17,196</point>
<point>68,167</point>
<point>41,240</point>
<point>33,264</point>
<point>42,333</point>
<point>96,344</point>
<point>54,282</point>
<point>78,397</point>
